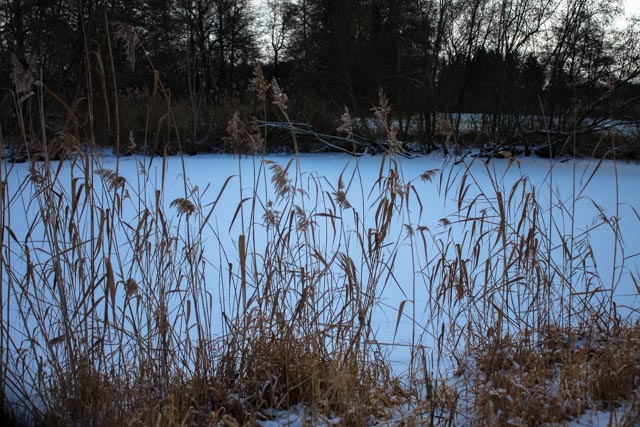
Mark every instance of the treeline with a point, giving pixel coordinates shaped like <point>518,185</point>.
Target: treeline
<point>497,69</point>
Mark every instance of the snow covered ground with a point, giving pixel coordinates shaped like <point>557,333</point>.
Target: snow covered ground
<point>596,202</point>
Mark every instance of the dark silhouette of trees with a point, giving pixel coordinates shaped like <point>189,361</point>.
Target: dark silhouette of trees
<point>280,21</point>
<point>516,66</point>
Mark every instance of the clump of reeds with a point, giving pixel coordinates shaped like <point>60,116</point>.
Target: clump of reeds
<point>557,377</point>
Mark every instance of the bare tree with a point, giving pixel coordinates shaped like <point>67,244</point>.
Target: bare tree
<point>280,21</point>
<point>579,55</point>
<point>516,26</point>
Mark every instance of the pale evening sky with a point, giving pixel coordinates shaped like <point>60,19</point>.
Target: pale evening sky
<point>632,7</point>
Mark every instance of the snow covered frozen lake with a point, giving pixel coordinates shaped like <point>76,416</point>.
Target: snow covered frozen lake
<point>610,191</point>
<point>584,214</point>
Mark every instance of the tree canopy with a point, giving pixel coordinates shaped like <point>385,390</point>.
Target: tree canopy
<point>513,63</point>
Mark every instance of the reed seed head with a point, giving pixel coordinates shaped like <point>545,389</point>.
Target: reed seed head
<point>428,176</point>
<point>127,34</point>
<point>259,84</point>
<point>280,98</point>
<point>280,179</point>
<point>131,287</point>
<point>110,177</point>
<point>346,125</point>
<point>23,78</point>
<point>443,125</point>
<point>243,138</point>
<point>184,206</point>
<point>383,109</point>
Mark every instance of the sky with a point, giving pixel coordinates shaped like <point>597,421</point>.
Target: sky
<point>632,7</point>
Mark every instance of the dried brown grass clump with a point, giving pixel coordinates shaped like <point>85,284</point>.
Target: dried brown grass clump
<point>564,374</point>
<point>259,84</point>
<point>346,123</point>
<point>444,129</point>
<point>84,395</point>
<point>280,98</point>
<point>279,371</point>
<point>128,35</point>
<point>382,113</point>
<point>243,138</point>
<point>59,146</point>
<point>89,398</point>
<point>23,77</point>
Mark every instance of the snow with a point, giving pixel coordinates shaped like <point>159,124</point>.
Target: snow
<point>631,8</point>
<point>602,418</point>
<point>594,191</point>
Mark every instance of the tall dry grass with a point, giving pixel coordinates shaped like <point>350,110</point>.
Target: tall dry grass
<point>112,316</point>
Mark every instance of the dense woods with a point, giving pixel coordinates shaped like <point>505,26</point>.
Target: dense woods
<point>500,71</point>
